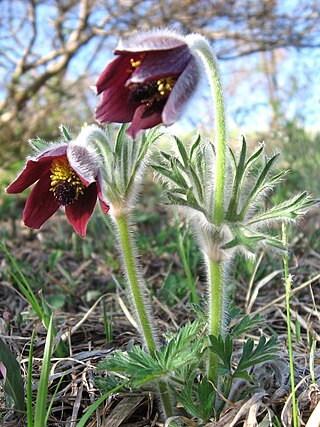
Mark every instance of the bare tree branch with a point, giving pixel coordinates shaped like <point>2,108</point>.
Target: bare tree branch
<point>39,38</point>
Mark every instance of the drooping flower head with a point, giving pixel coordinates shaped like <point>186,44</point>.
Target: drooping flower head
<point>67,175</point>
<point>149,82</point>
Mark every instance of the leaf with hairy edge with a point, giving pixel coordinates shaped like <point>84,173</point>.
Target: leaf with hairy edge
<point>254,156</point>
<point>197,183</point>
<point>194,146</point>
<point>38,144</point>
<point>13,382</point>
<point>237,182</point>
<point>120,139</point>
<point>182,151</point>
<point>290,209</point>
<point>233,158</point>
<point>168,174</point>
<point>249,239</point>
<point>65,133</point>
<point>258,186</point>
<point>167,156</point>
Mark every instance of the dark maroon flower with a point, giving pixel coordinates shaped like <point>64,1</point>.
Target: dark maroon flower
<point>67,175</point>
<point>149,82</point>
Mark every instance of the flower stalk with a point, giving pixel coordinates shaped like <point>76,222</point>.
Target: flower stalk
<point>139,301</point>
<point>204,51</point>
<point>215,268</point>
<point>216,305</point>
<point>133,279</point>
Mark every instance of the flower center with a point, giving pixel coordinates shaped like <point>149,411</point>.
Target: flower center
<point>152,92</point>
<point>65,183</point>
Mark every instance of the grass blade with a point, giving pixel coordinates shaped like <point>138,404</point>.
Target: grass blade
<point>41,401</point>
<point>96,404</point>
<point>29,383</point>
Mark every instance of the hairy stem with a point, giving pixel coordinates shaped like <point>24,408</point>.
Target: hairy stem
<point>133,281</point>
<point>209,60</point>
<point>216,276</point>
<point>139,301</point>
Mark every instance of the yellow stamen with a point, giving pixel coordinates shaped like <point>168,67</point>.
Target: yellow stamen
<point>165,85</point>
<point>134,63</point>
<point>63,174</point>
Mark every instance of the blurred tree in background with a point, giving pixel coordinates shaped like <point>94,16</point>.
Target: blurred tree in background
<point>51,51</point>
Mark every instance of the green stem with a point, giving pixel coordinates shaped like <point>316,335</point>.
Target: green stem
<point>133,279</point>
<point>288,283</point>
<point>216,268</point>
<point>210,62</point>
<point>139,302</point>
<point>216,277</point>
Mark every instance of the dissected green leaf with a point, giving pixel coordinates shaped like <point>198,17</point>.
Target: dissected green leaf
<point>196,398</point>
<point>290,209</point>
<point>182,349</point>
<point>206,398</point>
<point>258,187</point>
<point>251,356</point>
<point>251,239</point>
<point>223,347</point>
<point>246,324</point>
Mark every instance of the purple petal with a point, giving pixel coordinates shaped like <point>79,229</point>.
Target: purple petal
<point>54,152</point>
<point>142,120</point>
<point>115,105</point>
<point>104,206</point>
<point>34,169</point>
<point>115,74</point>
<point>160,64</point>
<point>151,40</point>
<point>41,203</point>
<point>30,174</point>
<point>181,92</point>
<point>79,212</point>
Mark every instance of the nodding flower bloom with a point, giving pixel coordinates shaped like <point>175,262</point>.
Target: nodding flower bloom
<point>68,175</point>
<point>149,82</point>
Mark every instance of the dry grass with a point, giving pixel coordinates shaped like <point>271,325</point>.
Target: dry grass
<point>81,325</point>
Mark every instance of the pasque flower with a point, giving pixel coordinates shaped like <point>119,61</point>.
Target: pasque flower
<point>149,82</point>
<point>67,175</point>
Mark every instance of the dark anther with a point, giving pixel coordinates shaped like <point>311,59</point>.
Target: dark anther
<point>65,193</point>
